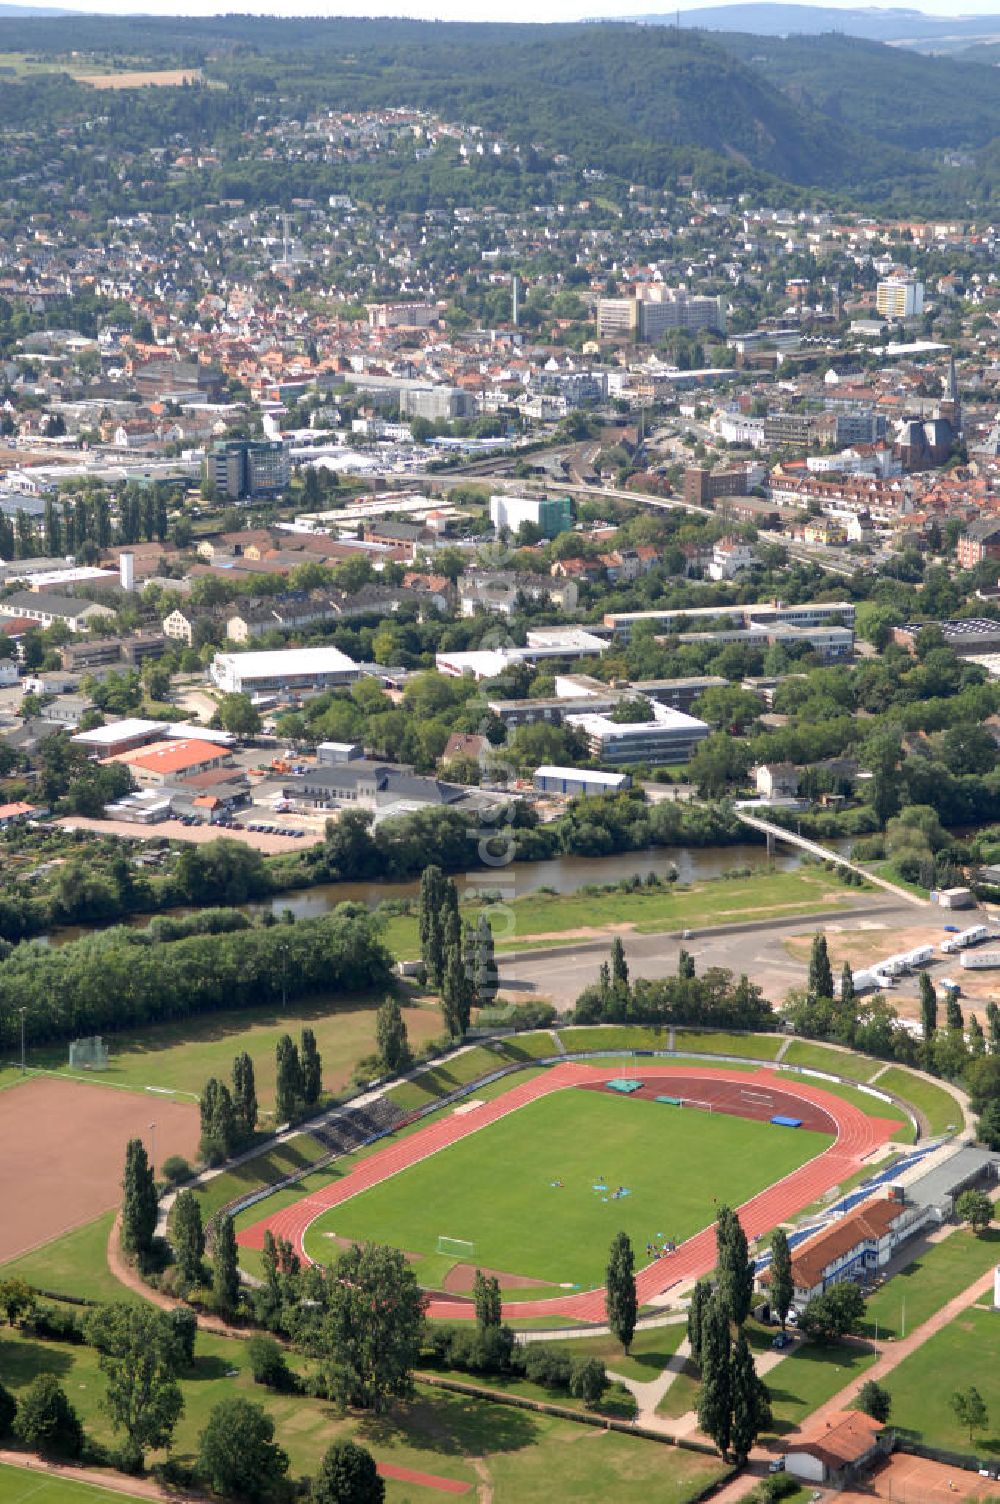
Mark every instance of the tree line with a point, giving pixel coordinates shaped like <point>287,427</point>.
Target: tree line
<point>713,1000</point>
<point>114,980</point>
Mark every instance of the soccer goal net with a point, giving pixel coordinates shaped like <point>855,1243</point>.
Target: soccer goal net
<point>89,1054</point>
<point>459,1248</point>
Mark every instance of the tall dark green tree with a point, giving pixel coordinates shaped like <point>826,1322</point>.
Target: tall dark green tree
<point>188,1235</point>
<point>138,1200</point>
<point>993,1027</point>
<point>312,1069</point>
<point>218,1122</point>
<point>848,996</point>
<point>225,1267</point>
<point>390,1037</point>
<point>244,1095</point>
<point>685,965</point>
<point>619,965</point>
<point>700,1296</point>
<point>928,1007</point>
<point>456,993</point>
<point>734,1266</point>
<point>820,982</point>
<point>289,1087</point>
<point>715,1394</point>
<point>432,882</point>
<point>487,1301</point>
<point>486,964</point>
<point>750,1401</point>
<point>620,1295</point>
<point>953,1016</point>
<point>782,1284</point>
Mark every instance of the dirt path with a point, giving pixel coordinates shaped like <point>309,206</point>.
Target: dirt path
<point>133,1488</point>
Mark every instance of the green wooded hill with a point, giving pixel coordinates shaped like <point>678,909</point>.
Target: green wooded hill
<point>886,93</point>
<point>641,103</point>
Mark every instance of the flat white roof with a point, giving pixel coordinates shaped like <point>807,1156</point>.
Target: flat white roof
<point>188,729</point>
<point>287,661</point>
<point>582,775</point>
<point>665,719</point>
<point>106,736</point>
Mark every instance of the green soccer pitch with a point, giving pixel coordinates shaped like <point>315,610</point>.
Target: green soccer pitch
<point>499,1187</point>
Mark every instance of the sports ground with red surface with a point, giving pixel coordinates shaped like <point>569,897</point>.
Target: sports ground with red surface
<point>758,1095</point>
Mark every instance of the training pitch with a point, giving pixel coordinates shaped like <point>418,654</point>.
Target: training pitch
<point>542,1192</point>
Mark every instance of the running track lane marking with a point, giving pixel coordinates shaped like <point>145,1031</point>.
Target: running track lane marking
<point>857,1136</point>
<point>422,1480</point>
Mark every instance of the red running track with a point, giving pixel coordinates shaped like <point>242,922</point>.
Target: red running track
<point>857,1137</point>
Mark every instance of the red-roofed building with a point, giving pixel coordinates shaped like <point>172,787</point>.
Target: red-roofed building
<point>168,761</point>
<point>837,1449</point>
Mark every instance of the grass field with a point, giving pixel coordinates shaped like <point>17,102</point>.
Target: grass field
<point>75,1264</point>
<point>936,1277</point>
<point>18,1485</point>
<point>810,1375</point>
<point>963,1352</point>
<point>182,1056</point>
<point>767,895</point>
<point>436,1432</point>
<point>818,1057</point>
<point>495,1188</point>
<point>937,1105</point>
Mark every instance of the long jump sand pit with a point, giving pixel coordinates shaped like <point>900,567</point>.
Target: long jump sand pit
<point>62,1150</point>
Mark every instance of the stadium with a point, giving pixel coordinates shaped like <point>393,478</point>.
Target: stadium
<point>534,1184</point>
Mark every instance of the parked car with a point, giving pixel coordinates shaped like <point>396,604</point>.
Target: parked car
<point>776,1465</point>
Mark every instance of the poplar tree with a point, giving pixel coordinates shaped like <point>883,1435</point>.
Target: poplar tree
<point>430,921</point>
<point>620,1294</point>
<point>820,972</point>
<point>289,1085</point>
<point>735,1267</point>
<point>390,1037</point>
<point>188,1235</point>
<point>715,1396</point>
<point>751,1403</point>
<point>928,1007</point>
<point>486,964</point>
<point>312,1069</point>
<point>487,1300</point>
<point>848,996</point>
<point>619,965</point>
<point>244,1095</point>
<point>139,1200</point>
<point>782,1284</point>
<point>700,1296</point>
<point>225,1267</point>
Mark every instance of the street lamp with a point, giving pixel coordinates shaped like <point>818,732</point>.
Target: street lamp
<point>24,1067</point>
<point>152,1162</point>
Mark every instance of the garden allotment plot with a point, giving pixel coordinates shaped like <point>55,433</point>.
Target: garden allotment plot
<point>524,1190</point>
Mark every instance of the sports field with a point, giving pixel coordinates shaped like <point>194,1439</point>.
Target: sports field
<point>18,1485</point>
<point>524,1190</point>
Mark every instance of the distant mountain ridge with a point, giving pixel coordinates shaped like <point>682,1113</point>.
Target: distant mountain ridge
<point>873,23</point>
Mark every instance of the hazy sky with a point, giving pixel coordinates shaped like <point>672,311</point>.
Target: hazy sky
<point>459,10</point>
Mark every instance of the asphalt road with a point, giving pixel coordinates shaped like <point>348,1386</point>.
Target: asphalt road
<point>759,951</point>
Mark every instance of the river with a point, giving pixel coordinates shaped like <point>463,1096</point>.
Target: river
<point>566,874</point>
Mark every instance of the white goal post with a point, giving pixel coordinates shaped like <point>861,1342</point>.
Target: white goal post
<point>459,1248</point>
